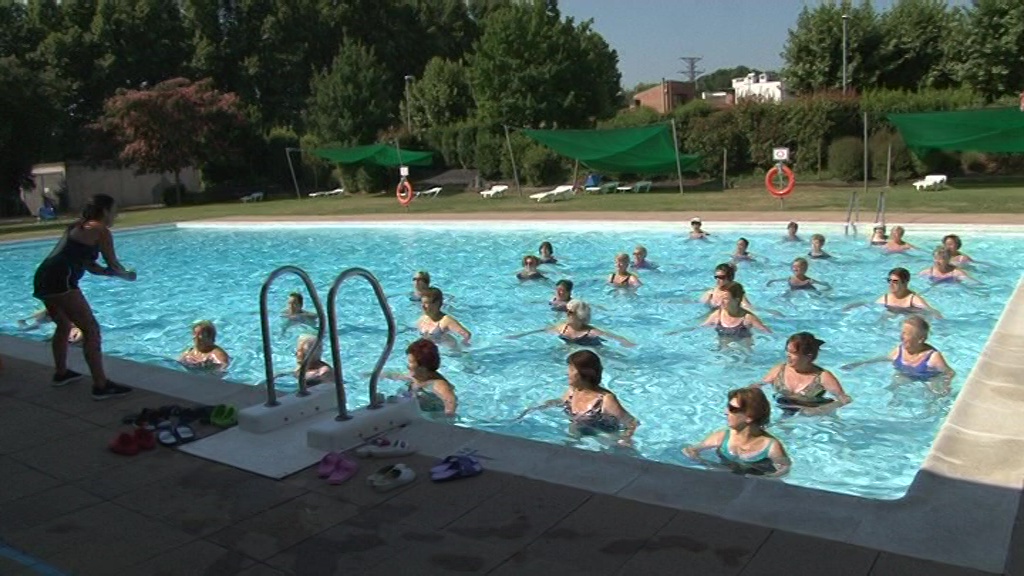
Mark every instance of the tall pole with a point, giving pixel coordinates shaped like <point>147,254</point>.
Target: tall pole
<point>865,153</point>
<point>512,157</point>
<point>846,19</point>
<point>408,108</point>
<point>679,167</point>
<point>288,155</point>
<point>725,164</point>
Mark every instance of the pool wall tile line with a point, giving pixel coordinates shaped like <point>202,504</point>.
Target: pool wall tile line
<point>119,231</point>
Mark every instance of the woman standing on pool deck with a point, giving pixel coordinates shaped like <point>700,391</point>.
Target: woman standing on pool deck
<point>799,383</point>
<point>744,446</point>
<point>56,284</point>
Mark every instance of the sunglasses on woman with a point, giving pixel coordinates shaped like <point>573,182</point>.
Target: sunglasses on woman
<point>734,409</point>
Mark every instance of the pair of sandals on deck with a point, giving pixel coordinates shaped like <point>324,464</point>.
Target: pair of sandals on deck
<point>338,468</point>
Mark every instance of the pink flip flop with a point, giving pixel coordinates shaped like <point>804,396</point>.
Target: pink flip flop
<point>345,469</point>
<point>327,464</point>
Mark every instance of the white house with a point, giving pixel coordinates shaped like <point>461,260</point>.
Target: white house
<point>758,85</point>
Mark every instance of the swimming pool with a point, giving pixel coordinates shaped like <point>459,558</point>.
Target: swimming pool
<point>674,384</point>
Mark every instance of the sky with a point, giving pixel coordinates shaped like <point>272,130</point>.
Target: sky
<point>651,35</point>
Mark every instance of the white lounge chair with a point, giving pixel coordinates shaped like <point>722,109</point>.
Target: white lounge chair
<point>323,193</point>
<point>432,192</point>
<point>606,188</point>
<point>254,197</point>
<point>564,191</point>
<point>496,190</point>
<point>931,182</point>
<point>642,186</point>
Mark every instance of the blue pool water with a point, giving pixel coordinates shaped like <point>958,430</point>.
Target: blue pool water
<point>675,385</point>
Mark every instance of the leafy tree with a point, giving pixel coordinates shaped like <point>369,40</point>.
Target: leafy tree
<point>721,79</point>
<point>442,96</point>
<point>26,119</point>
<point>915,33</point>
<point>532,68</point>
<point>993,48</point>
<point>174,125</point>
<point>16,39</point>
<point>350,103</point>
<point>813,53</point>
<point>140,42</point>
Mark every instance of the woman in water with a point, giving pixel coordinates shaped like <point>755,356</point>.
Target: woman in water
<point>900,298</point>
<point>895,243</point>
<point>914,357</point>
<point>317,371</point>
<point>741,252</point>
<point>433,391</point>
<point>953,243</point>
<point>563,295</point>
<point>791,230</point>
<point>436,325</point>
<point>640,261</point>
<point>622,277</point>
<point>576,329</point>
<point>878,236</point>
<point>942,270</point>
<point>799,383</point>
<point>420,285</point>
<point>529,271</point>
<point>295,314</point>
<point>800,280</point>
<point>56,284</point>
<point>732,321</point>
<point>817,243</point>
<point>547,253</point>
<point>204,353</point>
<point>744,446</point>
<point>696,232</point>
<point>591,407</point>
<point>725,275</point>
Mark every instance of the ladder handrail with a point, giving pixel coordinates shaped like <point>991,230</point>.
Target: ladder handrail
<point>382,299</point>
<point>849,213</point>
<point>268,360</point>
<point>880,207</point>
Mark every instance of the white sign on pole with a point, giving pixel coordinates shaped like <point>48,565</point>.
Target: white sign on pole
<point>780,154</point>
<point>404,171</point>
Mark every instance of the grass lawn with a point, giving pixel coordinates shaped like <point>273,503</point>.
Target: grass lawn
<point>962,199</point>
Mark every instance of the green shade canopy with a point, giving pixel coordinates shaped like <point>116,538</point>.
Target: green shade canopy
<point>379,154</point>
<point>640,150</point>
<point>983,130</point>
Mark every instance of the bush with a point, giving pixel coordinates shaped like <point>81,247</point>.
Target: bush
<point>938,162</point>
<point>846,159</point>
<point>540,166</point>
<point>902,160</point>
<point>974,163</point>
<point>709,135</point>
<point>490,154</point>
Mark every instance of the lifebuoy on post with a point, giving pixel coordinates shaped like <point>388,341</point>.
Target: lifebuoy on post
<point>404,192</point>
<point>769,181</point>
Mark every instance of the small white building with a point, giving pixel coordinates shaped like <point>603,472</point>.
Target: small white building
<point>758,85</point>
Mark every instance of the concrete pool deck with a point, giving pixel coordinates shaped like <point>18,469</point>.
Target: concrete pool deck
<point>971,478</point>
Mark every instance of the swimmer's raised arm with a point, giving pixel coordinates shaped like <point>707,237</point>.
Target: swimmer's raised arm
<point>714,440</point>
<point>621,340</point>
<point>825,285</point>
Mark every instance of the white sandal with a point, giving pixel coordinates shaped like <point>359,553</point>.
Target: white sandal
<point>393,449</point>
<point>391,477</point>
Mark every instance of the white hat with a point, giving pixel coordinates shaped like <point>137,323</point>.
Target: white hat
<point>879,226</point>
<point>695,220</point>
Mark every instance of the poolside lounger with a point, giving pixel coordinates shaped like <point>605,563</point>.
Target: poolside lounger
<point>642,186</point>
<point>931,182</point>
<point>564,191</point>
<point>496,190</point>
<point>606,188</point>
<point>254,197</point>
<point>432,192</point>
<point>322,193</point>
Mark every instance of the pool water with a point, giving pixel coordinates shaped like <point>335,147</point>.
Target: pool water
<point>675,385</point>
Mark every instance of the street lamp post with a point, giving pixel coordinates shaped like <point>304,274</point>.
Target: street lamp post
<point>408,109</point>
<point>846,19</point>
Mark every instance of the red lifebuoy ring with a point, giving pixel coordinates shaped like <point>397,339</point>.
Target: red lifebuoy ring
<point>769,181</point>
<point>404,192</point>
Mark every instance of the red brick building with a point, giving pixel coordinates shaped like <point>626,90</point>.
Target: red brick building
<point>665,96</point>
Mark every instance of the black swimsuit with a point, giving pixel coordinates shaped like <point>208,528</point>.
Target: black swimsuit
<point>60,272</point>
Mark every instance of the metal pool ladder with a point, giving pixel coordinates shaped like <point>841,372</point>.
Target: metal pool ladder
<point>339,384</point>
<point>268,360</point>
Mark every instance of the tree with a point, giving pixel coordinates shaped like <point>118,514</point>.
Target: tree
<point>813,54</point>
<point>351,102</point>
<point>721,79</point>
<point>914,34</point>
<point>442,96</point>
<point>27,118</point>
<point>532,68</point>
<point>174,125</point>
<point>993,48</point>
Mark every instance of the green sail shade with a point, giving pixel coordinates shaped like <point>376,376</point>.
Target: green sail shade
<point>640,150</point>
<point>379,154</point>
<point>982,130</point>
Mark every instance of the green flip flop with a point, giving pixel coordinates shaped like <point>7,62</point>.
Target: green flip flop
<point>224,416</point>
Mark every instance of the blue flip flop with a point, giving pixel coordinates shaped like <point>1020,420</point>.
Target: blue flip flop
<point>455,468</point>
